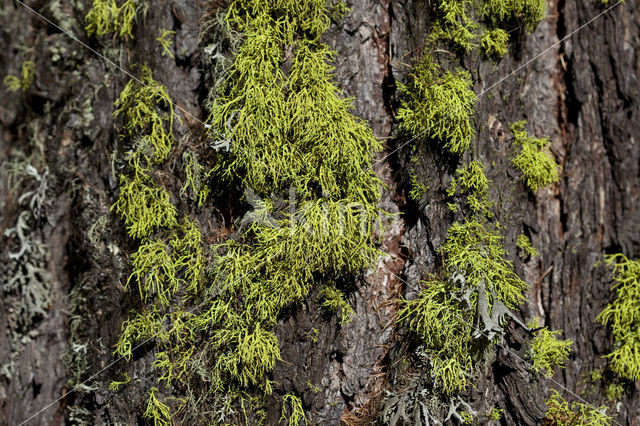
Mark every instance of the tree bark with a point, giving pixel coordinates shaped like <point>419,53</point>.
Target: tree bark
<point>582,93</point>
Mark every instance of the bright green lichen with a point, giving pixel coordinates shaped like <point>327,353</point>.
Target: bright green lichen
<point>524,244</point>
<point>157,410</point>
<point>495,413</point>
<point>438,105</point>
<point>166,42</point>
<point>107,17</point>
<point>333,300</point>
<point>147,110</point>
<point>418,189</point>
<point>144,206</point>
<point>547,351</point>
<point>453,23</point>
<point>614,391</point>
<point>469,302</point>
<point>527,12</point>
<point>561,413</point>
<point>115,384</point>
<point>622,316</point>
<point>472,182</point>
<point>535,161</point>
<point>22,82</point>
<point>196,178</point>
<point>297,413</point>
<point>495,42</point>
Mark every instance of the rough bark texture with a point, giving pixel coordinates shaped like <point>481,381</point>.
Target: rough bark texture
<point>582,93</point>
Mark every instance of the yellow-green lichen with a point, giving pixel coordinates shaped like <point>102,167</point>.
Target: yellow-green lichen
<point>523,243</point>
<point>495,42</point>
<point>165,41</point>
<point>535,161</point>
<point>622,316</point>
<point>24,80</point>
<point>561,413</point>
<point>438,105</point>
<point>333,300</point>
<point>547,351</point>
<point>472,182</point>
<point>107,17</point>
<point>528,13</point>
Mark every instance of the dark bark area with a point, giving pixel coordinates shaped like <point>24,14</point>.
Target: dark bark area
<point>582,94</point>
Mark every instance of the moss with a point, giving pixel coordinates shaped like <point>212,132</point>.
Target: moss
<point>24,80</point>
<point>561,413</point>
<point>495,43</point>
<point>527,12</point>
<point>107,17</point>
<point>333,300</point>
<point>622,316</point>
<point>166,42</point>
<point>472,182</point>
<point>523,243</point>
<point>547,351</point>
<point>297,415</point>
<point>438,105</point>
<point>535,161</point>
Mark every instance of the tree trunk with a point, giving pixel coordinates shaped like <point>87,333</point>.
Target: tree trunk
<point>63,296</point>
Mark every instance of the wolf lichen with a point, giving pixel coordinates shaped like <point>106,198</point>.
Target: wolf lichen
<point>472,182</point>
<point>527,12</point>
<point>438,105</point>
<point>561,413</point>
<point>24,81</point>
<point>333,300</point>
<point>523,243</point>
<point>469,302</point>
<point>196,178</point>
<point>107,17</point>
<point>166,42</point>
<point>495,42</point>
<point>157,410</point>
<point>535,161</point>
<point>622,316</point>
<point>547,351</point>
<point>453,23</point>
<point>297,414</point>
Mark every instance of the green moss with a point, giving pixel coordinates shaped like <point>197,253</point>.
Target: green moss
<point>535,161</point>
<point>438,105</point>
<point>334,300</point>
<point>472,182</point>
<point>166,42</point>
<point>107,17</point>
<point>622,316</point>
<point>527,12</point>
<point>547,351</point>
<point>24,80</point>
<point>495,43</point>
<point>297,413</point>
<point>523,243</point>
<point>561,413</point>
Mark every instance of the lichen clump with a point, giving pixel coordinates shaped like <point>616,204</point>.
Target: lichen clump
<point>562,413</point>
<point>547,351</point>
<point>107,17</point>
<point>622,316</point>
<point>535,161</point>
<point>438,105</point>
<point>467,303</point>
<point>472,182</point>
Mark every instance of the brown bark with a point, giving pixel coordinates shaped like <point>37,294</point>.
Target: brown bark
<point>583,94</point>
